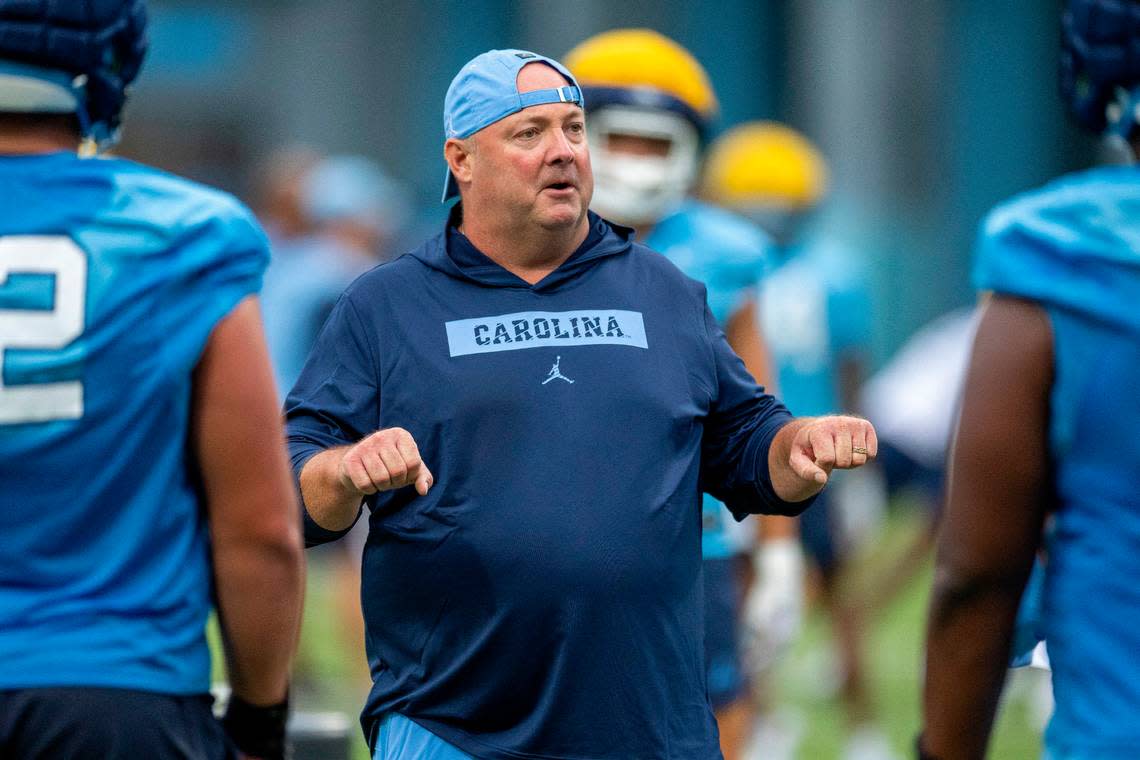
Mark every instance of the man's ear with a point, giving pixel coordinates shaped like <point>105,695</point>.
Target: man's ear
<point>459,155</point>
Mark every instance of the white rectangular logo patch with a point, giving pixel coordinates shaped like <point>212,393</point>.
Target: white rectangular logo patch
<point>534,329</point>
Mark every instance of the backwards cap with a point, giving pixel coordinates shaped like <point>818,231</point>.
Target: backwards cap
<point>486,91</point>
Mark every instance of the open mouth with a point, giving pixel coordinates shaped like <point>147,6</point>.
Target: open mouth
<point>559,186</point>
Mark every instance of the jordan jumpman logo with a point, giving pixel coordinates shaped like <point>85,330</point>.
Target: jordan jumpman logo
<point>556,374</point>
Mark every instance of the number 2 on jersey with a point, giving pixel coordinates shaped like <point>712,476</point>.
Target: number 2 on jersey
<point>42,329</point>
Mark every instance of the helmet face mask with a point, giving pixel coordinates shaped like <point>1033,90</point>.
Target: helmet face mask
<point>641,187</point>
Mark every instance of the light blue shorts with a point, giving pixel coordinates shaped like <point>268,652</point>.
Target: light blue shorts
<point>398,738</point>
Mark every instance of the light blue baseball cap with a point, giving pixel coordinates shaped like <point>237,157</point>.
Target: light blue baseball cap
<point>485,90</point>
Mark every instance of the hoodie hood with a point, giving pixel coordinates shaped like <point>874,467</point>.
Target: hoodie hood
<point>451,253</point>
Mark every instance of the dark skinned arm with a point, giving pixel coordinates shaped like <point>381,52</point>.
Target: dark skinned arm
<point>997,498</point>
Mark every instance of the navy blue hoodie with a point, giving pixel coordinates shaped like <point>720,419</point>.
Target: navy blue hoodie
<point>544,599</point>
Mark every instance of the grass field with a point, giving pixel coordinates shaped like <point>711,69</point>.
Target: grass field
<point>894,665</point>
<point>329,677</point>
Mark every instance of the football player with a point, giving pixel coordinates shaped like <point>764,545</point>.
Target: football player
<point>143,476</point>
<point>1048,430</point>
<point>815,315</point>
<point>651,108</point>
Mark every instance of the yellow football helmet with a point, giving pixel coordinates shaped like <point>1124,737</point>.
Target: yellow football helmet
<point>632,65</point>
<point>640,84</point>
<point>764,165</point>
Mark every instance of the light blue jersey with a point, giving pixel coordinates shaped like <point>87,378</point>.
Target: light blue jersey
<point>112,276</point>
<point>724,251</point>
<point>729,255</point>
<point>814,308</point>
<point>1074,247</point>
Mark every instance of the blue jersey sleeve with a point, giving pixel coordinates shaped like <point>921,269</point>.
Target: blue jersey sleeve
<point>738,433</point>
<point>1057,247</point>
<point>336,400</point>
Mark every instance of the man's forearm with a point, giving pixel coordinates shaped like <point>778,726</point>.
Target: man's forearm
<point>966,662</point>
<point>260,629</point>
<point>330,503</point>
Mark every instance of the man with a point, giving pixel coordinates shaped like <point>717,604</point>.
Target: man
<point>142,471</point>
<point>651,108</point>
<point>1052,378</point>
<point>815,314</point>
<point>530,404</point>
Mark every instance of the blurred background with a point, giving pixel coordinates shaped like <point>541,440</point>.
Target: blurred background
<point>928,111</point>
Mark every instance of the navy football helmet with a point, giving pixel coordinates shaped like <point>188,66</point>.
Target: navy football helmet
<point>1100,64</point>
<point>76,57</point>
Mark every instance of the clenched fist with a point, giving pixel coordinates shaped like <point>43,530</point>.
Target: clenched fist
<point>806,450</point>
<point>383,461</point>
